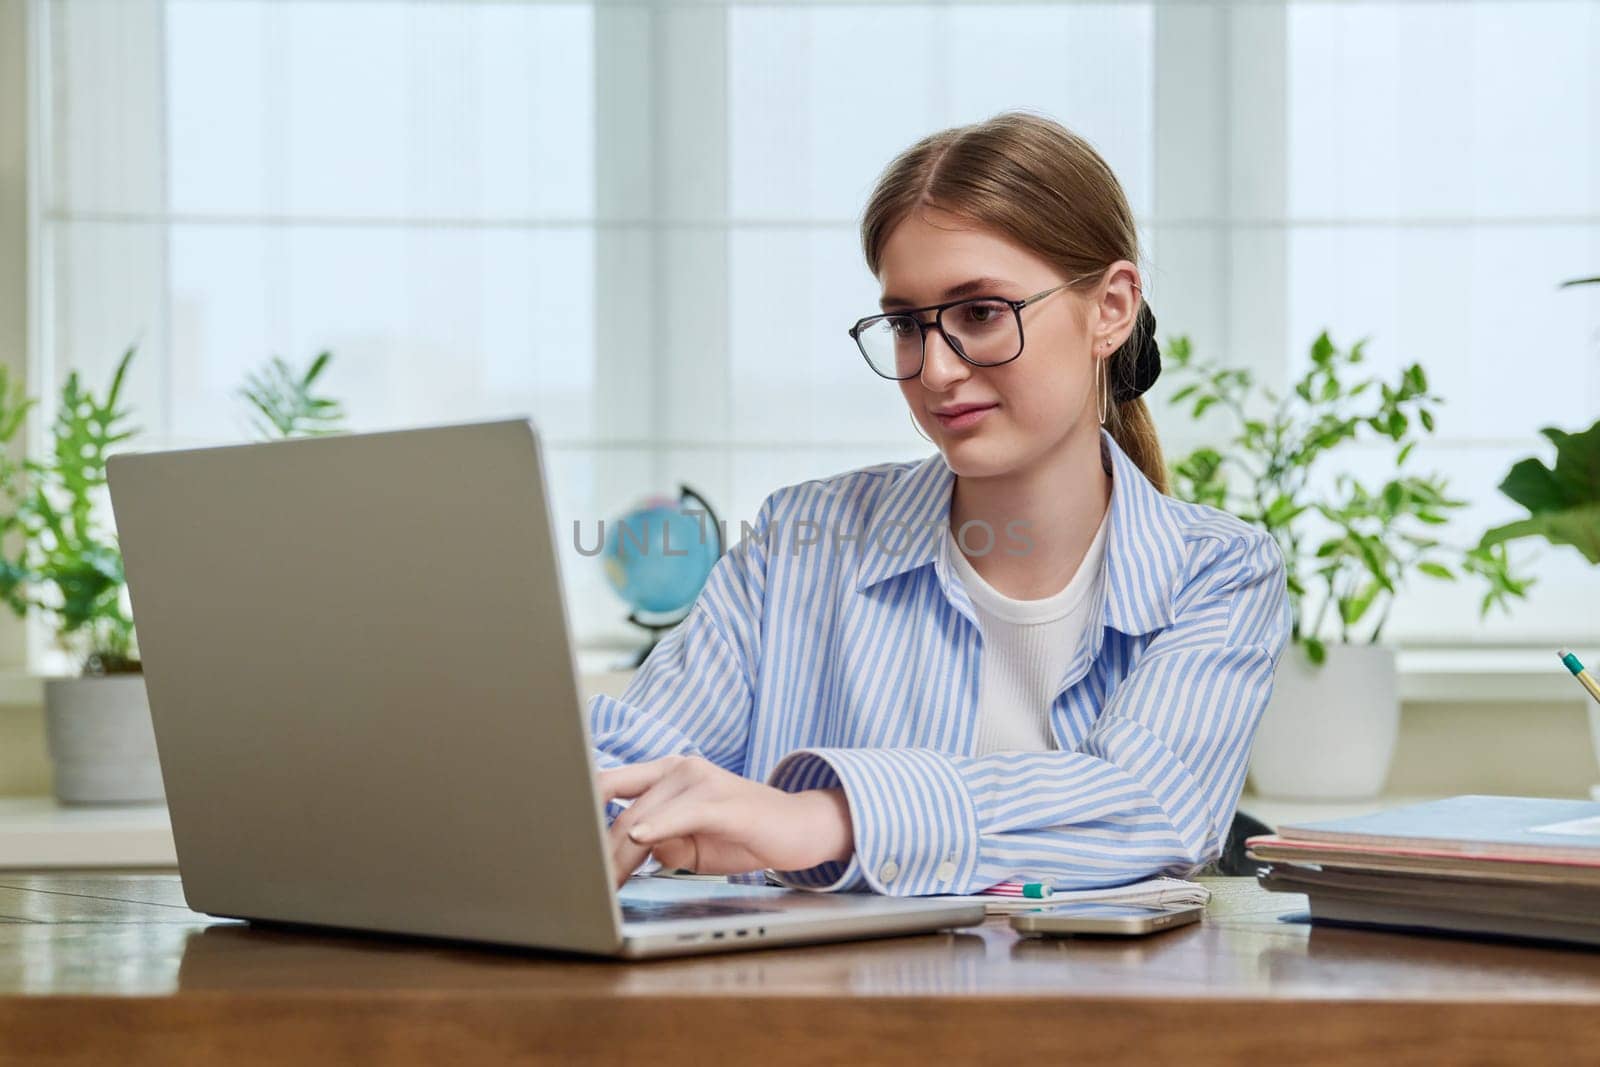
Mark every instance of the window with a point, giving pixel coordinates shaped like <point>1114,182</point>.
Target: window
<point>1443,177</point>
<point>637,221</point>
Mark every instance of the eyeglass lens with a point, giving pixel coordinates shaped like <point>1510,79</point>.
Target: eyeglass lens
<point>983,331</point>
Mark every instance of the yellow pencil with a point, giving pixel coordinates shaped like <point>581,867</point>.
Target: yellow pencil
<point>1583,676</point>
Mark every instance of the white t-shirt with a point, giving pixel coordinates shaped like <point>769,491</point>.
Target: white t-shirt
<point>1027,646</point>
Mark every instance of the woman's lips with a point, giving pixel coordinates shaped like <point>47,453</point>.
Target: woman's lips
<point>965,416</point>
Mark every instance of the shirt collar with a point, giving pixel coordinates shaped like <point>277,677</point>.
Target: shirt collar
<point>1144,552</point>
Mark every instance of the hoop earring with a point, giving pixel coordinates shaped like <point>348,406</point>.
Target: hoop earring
<point>918,428</point>
<point>1102,400</point>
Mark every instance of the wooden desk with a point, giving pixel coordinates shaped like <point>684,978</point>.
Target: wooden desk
<point>103,969</point>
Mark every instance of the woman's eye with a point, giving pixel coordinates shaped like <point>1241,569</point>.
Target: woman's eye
<point>902,327</point>
<point>983,314</point>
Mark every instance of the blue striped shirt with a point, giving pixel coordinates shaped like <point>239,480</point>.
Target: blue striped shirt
<point>832,646</point>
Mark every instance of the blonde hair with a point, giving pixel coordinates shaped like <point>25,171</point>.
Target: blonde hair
<point>1046,188</point>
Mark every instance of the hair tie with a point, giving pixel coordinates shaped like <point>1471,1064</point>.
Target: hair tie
<point>1134,381</point>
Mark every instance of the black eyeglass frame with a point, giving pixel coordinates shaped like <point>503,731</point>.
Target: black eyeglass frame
<point>937,323</point>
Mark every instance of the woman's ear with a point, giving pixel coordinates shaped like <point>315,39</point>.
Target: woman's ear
<point>1118,304</point>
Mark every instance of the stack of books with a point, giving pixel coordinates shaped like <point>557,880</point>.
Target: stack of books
<point>1493,866</point>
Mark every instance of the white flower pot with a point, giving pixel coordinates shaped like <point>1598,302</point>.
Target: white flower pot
<point>1594,735</point>
<point>1329,732</point>
<point>102,745</point>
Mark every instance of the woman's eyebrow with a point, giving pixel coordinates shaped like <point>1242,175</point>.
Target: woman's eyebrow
<point>976,285</point>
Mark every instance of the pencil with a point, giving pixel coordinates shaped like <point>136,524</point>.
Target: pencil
<point>1584,678</point>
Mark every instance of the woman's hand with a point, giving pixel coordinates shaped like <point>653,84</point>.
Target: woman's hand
<point>693,814</point>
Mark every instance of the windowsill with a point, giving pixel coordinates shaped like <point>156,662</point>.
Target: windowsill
<point>1443,675</point>
<point>600,670</point>
<point>1486,676</point>
<point>1276,812</point>
<point>38,833</point>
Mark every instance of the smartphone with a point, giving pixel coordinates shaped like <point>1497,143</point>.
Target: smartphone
<point>1105,920</point>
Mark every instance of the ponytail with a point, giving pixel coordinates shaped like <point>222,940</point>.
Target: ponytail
<point>1132,370</point>
<point>1134,431</point>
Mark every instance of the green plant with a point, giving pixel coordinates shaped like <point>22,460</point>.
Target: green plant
<point>284,404</point>
<point>63,548</point>
<point>57,554</point>
<point>1563,501</point>
<point>1352,543</point>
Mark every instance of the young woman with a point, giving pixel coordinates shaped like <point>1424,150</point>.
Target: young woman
<point>1015,659</point>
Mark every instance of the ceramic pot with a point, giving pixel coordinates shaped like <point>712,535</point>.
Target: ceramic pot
<point>102,745</point>
<point>1594,734</point>
<point>1329,732</point>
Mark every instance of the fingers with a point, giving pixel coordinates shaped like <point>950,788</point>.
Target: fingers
<point>626,854</point>
<point>665,789</point>
<point>626,858</point>
<point>681,806</point>
<point>689,812</point>
<point>666,779</point>
<point>625,783</point>
<point>747,826</point>
<point>681,828</point>
<point>679,852</point>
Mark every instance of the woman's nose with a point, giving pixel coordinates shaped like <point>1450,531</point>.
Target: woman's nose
<point>941,367</point>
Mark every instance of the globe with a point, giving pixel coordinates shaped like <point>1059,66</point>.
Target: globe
<point>659,555</point>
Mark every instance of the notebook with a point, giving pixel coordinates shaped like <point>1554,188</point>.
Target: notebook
<point>1481,865</point>
<point>1480,827</point>
<point>1276,849</point>
<point>1484,896</point>
<point>1430,903</point>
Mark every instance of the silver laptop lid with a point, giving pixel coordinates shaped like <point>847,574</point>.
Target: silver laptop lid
<point>365,701</point>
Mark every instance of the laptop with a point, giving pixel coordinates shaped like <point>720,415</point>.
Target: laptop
<point>367,709</point>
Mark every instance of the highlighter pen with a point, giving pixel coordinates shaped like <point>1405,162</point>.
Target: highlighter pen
<point>1030,890</point>
<point>1584,677</point>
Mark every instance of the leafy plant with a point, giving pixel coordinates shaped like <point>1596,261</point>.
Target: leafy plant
<point>1563,501</point>
<point>57,554</point>
<point>1354,544</point>
<point>65,549</point>
<point>284,404</point>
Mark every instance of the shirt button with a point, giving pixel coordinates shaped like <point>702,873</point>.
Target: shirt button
<point>946,871</point>
<point>887,872</point>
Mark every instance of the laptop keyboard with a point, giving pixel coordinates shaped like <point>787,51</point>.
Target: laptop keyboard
<point>645,911</point>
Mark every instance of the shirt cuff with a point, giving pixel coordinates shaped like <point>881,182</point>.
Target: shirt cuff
<point>916,828</point>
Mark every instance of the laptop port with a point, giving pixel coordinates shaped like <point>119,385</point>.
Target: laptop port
<point>741,933</point>
<point>717,935</point>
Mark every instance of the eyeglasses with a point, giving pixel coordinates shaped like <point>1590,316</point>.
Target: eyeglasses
<point>986,331</point>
